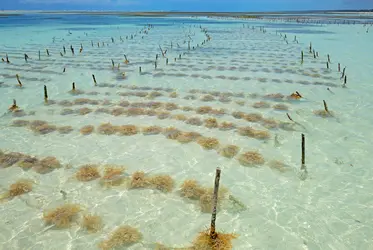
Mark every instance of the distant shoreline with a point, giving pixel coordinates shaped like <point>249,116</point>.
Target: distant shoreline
<point>366,14</point>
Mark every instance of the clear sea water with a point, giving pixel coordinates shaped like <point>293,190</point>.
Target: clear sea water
<point>330,208</point>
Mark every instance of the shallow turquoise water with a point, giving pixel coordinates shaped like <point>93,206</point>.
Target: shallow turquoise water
<point>330,209</point>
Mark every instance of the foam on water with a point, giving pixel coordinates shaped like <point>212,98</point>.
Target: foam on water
<point>331,209</point>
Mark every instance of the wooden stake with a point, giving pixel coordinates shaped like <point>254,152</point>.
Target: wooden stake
<point>291,119</point>
<point>140,69</point>
<point>328,58</point>
<point>45,93</point>
<point>39,55</point>
<point>303,150</point>
<point>303,166</point>
<point>19,81</point>
<point>339,67</point>
<point>64,70</point>
<point>343,72</point>
<point>112,63</point>
<point>345,81</point>
<point>73,89</point>
<point>301,57</point>
<point>13,107</point>
<point>126,60</point>
<point>213,233</point>
<point>325,106</point>
<point>166,61</point>
<point>47,52</point>
<point>64,50</point>
<point>94,79</point>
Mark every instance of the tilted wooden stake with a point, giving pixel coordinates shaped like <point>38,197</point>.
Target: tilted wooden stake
<point>19,81</point>
<point>213,233</point>
<point>94,79</point>
<point>325,106</point>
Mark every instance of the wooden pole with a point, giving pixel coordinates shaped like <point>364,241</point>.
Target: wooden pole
<point>325,106</point>
<point>303,151</point>
<point>19,81</point>
<point>213,233</point>
<point>45,93</point>
<point>94,79</point>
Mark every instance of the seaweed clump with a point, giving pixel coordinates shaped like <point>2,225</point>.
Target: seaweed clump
<point>226,126</point>
<point>280,106</point>
<point>254,133</point>
<point>208,142</point>
<point>87,173</point>
<point>251,158</point>
<point>62,216</point>
<point>86,130</point>
<point>107,129</point>
<point>122,236</point>
<point>206,199</point>
<point>261,105</point>
<point>127,130</point>
<point>151,130</point>
<point>42,127</point>
<point>20,187</point>
<point>191,189</point>
<point>9,159</point>
<point>278,165</point>
<point>138,180</point>
<point>47,165</point>
<point>28,162</point>
<point>229,151</point>
<point>163,183</point>
<point>92,223</point>
<point>20,123</point>
<point>211,123</point>
<point>186,137</point>
<point>113,176</point>
<point>65,129</point>
<point>172,133</point>
<point>204,241</point>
